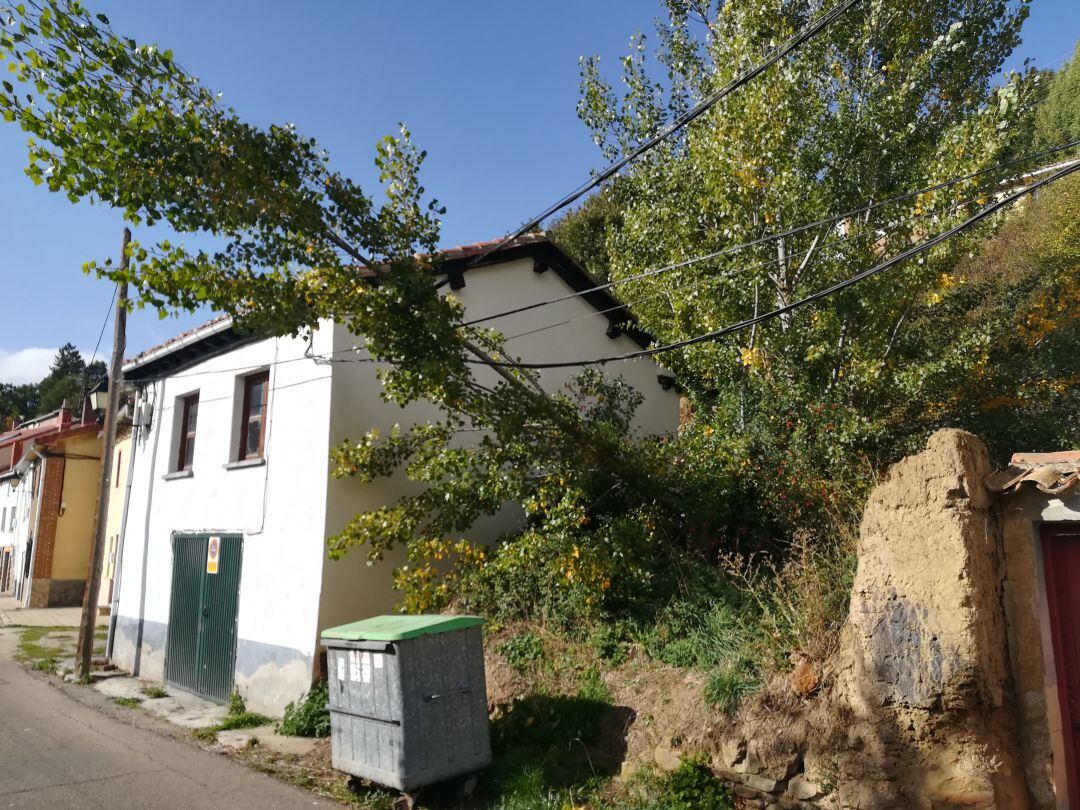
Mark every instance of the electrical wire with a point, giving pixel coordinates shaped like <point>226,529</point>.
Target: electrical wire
<point>805,34</point>
<point>101,334</point>
<point>695,283</point>
<point>865,208</point>
<point>915,250</point>
<point>332,357</point>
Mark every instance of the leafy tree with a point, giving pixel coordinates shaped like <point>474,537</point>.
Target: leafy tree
<point>1058,118</point>
<point>584,231</point>
<point>117,121</point>
<point>68,379</point>
<point>17,402</point>
<point>898,96</point>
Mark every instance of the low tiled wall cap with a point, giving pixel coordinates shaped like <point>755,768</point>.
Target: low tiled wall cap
<point>1050,473</point>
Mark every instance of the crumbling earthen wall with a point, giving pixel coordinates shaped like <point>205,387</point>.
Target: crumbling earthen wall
<point>924,662</point>
<point>920,709</point>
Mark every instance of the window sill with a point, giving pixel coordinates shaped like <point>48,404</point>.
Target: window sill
<point>248,462</point>
<point>178,474</point>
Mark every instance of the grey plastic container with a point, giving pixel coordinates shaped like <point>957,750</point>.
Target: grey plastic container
<point>408,701</point>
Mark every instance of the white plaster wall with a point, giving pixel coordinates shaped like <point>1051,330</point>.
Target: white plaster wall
<point>16,532</point>
<point>278,506</point>
<point>497,288</point>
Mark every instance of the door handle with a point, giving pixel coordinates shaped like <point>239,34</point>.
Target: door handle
<point>205,611</point>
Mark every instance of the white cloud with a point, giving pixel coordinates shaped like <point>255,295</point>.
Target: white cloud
<point>26,365</point>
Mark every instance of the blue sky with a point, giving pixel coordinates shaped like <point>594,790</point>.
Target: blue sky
<point>488,87</point>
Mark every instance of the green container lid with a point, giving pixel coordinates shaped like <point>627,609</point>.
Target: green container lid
<point>399,628</point>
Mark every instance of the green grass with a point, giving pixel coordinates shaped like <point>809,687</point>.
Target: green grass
<point>44,665</point>
<point>155,692</point>
<point>243,720</point>
<point>206,735</point>
<point>239,716</point>
<point>542,749</point>
<point>726,689</point>
<point>129,702</point>
<point>33,646</point>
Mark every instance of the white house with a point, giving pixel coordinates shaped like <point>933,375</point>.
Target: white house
<point>224,578</point>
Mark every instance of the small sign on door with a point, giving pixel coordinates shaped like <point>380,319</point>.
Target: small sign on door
<point>213,554</point>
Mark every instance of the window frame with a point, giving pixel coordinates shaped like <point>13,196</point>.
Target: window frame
<point>183,462</point>
<point>249,382</point>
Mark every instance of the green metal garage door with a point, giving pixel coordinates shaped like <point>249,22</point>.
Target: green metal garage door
<point>201,652</point>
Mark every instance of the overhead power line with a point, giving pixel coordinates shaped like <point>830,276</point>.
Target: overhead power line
<point>863,209</point>
<point>915,250</point>
<point>815,248</point>
<point>804,35</point>
<point>332,356</point>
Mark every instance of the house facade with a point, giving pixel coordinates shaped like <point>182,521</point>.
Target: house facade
<point>114,513</point>
<point>223,579</point>
<point>49,472</point>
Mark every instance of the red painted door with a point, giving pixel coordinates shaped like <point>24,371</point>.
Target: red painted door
<point>1061,560</point>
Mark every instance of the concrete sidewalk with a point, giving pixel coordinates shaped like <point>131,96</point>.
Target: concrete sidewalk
<point>13,614</point>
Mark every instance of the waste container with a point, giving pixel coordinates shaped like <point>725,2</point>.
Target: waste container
<point>408,702</point>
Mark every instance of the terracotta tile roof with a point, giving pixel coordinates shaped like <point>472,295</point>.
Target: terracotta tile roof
<point>175,339</point>
<point>1050,473</point>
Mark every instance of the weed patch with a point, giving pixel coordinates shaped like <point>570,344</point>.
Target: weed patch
<point>155,691</point>
<point>726,689</point>
<point>129,702</point>
<point>206,735</point>
<point>239,717</point>
<point>308,717</point>
<point>691,786</point>
<point>523,651</point>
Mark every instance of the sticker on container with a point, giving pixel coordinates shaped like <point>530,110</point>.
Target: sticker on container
<point>365,664</point>
<point>341,668</point>
<point>378,659</point>
<point>354,665</point>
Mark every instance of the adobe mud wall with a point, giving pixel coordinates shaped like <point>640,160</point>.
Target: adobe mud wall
<point>919,707</point>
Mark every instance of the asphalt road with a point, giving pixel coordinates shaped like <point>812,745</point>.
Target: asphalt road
<point>56,752</point>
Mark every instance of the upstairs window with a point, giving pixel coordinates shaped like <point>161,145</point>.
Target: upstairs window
<point>189,416</point>
<point>253,416</point>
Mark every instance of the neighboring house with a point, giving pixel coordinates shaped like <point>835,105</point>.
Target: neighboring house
<point>49,472</point>
<point>115,513</point>
<point>224,579</point>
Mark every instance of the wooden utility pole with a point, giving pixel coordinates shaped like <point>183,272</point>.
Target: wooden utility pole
<point>93,578</point>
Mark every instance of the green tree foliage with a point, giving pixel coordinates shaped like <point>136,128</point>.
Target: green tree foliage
<point>1007,366</point>
<point>896,97</point>
<point>1058,118</point>
<point>113,120</point>
<point>584,231</point>
<point>17,402</point>
<point>68,379</point>
<point>899,96</point>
